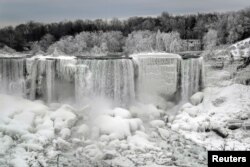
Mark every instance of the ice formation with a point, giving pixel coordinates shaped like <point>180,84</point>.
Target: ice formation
<point>192,77</point>
<point>148,78</point>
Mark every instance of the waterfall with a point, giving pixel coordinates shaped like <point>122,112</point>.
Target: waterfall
<point>111,78</point>
<point>32,72</point>
<point>36,78</point>
<point>192,77</point>
<point>149,78</point>
<point>65,69</point>
<point>50,81</point>
<point>12,75</point>
<point>82,83</point>
<point>158,76</point>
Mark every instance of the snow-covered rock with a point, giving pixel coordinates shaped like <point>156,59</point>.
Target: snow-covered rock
<point>139,141</point>
<point>113,125</point>
<point>197,98</point>
<point>240,49</point>
<point>123,113</point>
<point>6,143</point>
<point>64,117</point>
<point>157,123</point>
<point>146,112</point>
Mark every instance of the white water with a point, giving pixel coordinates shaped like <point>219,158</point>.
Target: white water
<point>50,81</point>
<point>112,79</point>
<point>158,77</point>
<point>12,76</point>
<point>149,78</point>
<point>192,73</point>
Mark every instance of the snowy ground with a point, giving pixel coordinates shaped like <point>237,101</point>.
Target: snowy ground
<point>33,134</point>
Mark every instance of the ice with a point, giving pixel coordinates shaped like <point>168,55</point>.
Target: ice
<point>6,143</point>
<point>139,141</point>
<point>64,117</point>
<point>113,125</point>
<point>112,79</point>
<point>240,49</point>
<point>220,106</point>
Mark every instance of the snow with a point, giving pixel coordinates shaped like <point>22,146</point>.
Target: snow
<point>64,117</point>
<point>139,141</point>
<point>8,55</point>
<point>197,98</point>
<point>220,106</point>
<point>120,125</point>
<point>146,112</point>
<point>156,54</point>
<point>142,135</point>
<point>240,49</point>
<point>59,57</point>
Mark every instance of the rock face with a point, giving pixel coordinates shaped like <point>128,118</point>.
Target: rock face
<point>197,98</point>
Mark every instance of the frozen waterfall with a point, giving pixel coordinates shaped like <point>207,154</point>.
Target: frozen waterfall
<point>12,72</point>
<point>109,78</point>
<point>192,77</point>
<point>157,76</point>
<point>148,78</point>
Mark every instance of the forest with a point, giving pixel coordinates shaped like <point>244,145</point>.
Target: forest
<point>135,34</point>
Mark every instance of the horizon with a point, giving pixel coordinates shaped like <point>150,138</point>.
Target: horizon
<point>17,12</point>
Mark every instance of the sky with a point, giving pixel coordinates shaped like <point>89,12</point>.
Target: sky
<point>14,12</point>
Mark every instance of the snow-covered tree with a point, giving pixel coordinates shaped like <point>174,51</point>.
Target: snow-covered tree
<point>172,42</point>
<point>210,39</point>
<point>140,41</point>
<point>159,46</point>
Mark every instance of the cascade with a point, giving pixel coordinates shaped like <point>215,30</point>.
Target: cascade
<point>82,83</point>
<point>50,78</point>
<point>36,78</point>
<point>149,78</point>
<point>50,81</point>
<point>192,77</point>
<point>12,75</point>
<point>110,78</point>
<point>157,77</point>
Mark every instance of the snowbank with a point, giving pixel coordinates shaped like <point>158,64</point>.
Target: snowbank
<point>204,123</point>
<point>240,49</point>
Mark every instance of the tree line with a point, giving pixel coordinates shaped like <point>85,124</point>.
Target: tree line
<point>222,28</point>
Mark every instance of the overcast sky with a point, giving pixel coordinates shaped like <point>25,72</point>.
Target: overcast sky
<point>20,11</point>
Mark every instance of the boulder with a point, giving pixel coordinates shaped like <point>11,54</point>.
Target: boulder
<point>197,98</point>
<point>220,131</point>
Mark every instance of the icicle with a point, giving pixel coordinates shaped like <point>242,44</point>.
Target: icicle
<point>65,69</point>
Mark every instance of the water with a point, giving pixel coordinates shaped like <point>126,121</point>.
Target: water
<point>158,77</point>
<point>192,77</point>
<point>12,72</point>
<point>50,81</point>
<point>112,79</point>
<point>148,78</point>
